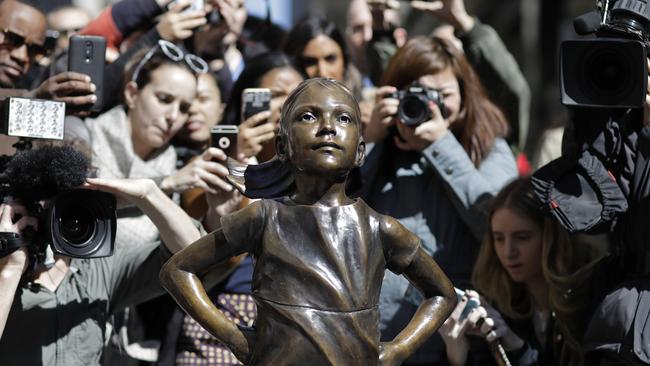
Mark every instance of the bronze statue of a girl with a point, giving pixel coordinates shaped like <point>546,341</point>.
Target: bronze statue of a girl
<point>319,255</point>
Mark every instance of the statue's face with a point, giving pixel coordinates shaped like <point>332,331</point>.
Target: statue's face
<point>324,133</point>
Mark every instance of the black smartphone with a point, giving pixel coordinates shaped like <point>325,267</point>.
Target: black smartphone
<point>224,137</point>
<point>254,101</point>
<point>87,55</point>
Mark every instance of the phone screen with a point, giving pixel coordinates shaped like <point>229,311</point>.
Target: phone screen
<point>254,101</point>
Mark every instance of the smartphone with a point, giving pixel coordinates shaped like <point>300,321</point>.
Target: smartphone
<point>224,137</point>
<point>254,101</point>
<point>472,303</point>
<point>194,5</point>
<point>87,55</point>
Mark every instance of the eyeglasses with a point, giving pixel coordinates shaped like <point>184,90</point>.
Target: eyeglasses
<point>171,51</point>
<point>9,39</point>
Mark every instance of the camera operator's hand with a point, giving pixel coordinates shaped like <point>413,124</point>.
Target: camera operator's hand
<point>450,11</point>
<point>176,24</point>
<point>382,116</point>
<point>126,189</point>
<point>16,262</point>
<point>203,172</point>
<point>72,88</point>
<point>418,138</point>
<point>253,133</point>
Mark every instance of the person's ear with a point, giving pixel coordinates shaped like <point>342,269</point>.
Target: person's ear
<point>131,92</point>
<point>361,154</point>
<point>281,148</point>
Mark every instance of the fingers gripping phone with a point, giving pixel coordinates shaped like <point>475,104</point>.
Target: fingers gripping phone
<point>224,137</point>
<point>87,55</point>
<point>254,101</point>
<point>472,303</point>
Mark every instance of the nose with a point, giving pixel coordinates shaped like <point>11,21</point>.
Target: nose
<point>326,126</point>
<point>322,68</point>
<point>20,55</point>
<point>173,113</point>
<point>367,34</point>
<point>511,248</point>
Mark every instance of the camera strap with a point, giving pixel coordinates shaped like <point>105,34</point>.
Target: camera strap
<point>9,242</point>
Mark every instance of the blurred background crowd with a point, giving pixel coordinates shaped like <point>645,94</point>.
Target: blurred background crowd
<point>457,176</point>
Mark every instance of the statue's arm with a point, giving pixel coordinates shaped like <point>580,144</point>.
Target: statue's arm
<point>181,277</point>
<point>425,274</point>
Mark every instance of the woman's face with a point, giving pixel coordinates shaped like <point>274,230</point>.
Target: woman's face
<point>160,108</point>
<point>518,245</point>
<point>447,84</point>
<point>281,81</point>
<point>205,112</point>
<point>323,57</point>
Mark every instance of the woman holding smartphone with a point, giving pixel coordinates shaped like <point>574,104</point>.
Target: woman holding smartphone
<point>535,283</point>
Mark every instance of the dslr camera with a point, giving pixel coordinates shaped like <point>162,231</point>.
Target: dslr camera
<point>608,71</point>
<point>413,106</point>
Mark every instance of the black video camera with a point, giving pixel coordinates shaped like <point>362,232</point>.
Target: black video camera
<point>77,223</point>
<point>609,71</point>
<point>414,104</point>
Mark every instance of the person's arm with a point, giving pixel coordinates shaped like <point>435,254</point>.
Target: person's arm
<point>501,76</point>
<point>13,265</point>
<point>407,256</point>
<point>176,228</point>
<point>470,186</point>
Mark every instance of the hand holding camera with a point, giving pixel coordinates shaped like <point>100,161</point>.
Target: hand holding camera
<point>253,133</point>
<point>179,23</point>
<point>17,261</point>
<point>383,114</point>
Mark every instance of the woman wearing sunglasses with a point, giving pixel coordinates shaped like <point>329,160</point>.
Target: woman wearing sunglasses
<point>132,140</point>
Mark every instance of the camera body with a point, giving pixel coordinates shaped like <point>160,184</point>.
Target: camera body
<point>609,71</point>
<point>413,106</point>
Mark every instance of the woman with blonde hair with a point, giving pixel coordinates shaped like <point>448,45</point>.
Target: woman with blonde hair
<point>534,279</point>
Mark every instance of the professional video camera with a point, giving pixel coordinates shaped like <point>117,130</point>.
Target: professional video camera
<point>414,104</point>
<point>610,70</point>
<point>74,222</point>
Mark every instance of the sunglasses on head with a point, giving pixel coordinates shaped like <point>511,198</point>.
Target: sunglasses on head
<point>174,53</point>
<point>9,39</point>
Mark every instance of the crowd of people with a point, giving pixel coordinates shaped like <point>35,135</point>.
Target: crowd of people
<point>454,179</point>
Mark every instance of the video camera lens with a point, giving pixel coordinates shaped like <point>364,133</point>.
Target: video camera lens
<point>81,223</point>
<point>77,225</point>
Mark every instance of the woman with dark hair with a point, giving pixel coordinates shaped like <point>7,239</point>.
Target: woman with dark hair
<point>271,70</point>
<point>318,49</point>
<point>532,275</point>
<point>434,176</point>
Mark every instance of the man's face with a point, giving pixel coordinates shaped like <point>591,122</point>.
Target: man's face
<point>17,19</point>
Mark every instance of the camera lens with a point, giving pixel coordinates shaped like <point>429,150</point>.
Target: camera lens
<point>607,71</point>
<point>413,111</point>
<point>77,225</point>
